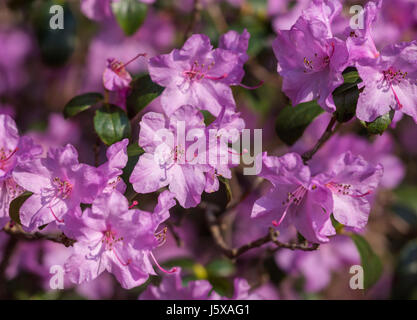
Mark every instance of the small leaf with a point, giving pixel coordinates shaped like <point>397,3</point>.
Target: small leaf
<point>130,15</point>
<point>346,97</point>
<point>228,188</point>
<point>81,103</point>
<point>144,90</point>
<point>15,206</point>
<point>133,150</point>
<point>380,124</point>
<point>371,263</point>
<point>220,268</point>
<point>292,121</point>
<point>111,124</point>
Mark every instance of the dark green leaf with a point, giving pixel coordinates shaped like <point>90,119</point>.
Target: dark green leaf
<point>228,188</point>
<point>221,268</point>
<point>380,124</point>
<point>56,45</point>
<point>15,205</point>
<point>405,284</point>
<point>292,121</point>
<point>142,93</point>
<point>133,149</point>
<point>111,124</point>
<point>371,263</point>
<point>81,103</point>
<point>346,97</point>
<point>130,15</point>
<point>223,286</point>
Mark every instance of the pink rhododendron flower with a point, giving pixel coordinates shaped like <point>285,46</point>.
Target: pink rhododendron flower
<point>14,151</point>
<point>390,82</point>
<point>112,237</point>
<point>295,197</point>
<point>166,164</point>
<point>317,266</point>
<point>199,76</point>
<point>359,41</point>
<point>172,288</point>
<point>352,181</point>
<point>59,184</point>
<point>306,201</point>
<point>113,168</point>
<point>310,59</point>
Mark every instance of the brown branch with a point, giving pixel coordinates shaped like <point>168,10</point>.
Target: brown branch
<point>323,139</point>
<point>17,233</point>
<point>233,253</point>
<point>195,17</point>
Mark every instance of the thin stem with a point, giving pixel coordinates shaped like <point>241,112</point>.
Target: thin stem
<point>323,139</point>
<point>18,233</point>
<point>233,253</point>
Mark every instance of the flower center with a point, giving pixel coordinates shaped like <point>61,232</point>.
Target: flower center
<point>345,190</point>
<point>109,240</point>
<point>5,157</point>
<point>63,188</point>
<point>394,77</point>
<point>295,198</point>
<point>199,72</point>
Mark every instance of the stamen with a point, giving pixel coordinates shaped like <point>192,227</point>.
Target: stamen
<point>217,78</point>
<point>133,59</point>
<point>238,154</point>
<point>56,218</point>
<point>252,88</point>
<point>10,155</point>
<point>120,260</point>
<point>134,204</point>
<point>174,269</point>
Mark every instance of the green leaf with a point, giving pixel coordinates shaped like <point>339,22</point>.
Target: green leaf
<point>380,124</point>
<point>15,205</point>
<point>371,263</point>
<point>405,284</point>
<point>144,90</point>
<point>133,150</point>
<point>56,45</point>
<point>130,15</point>
<point>81,103</point>
<point>292,121</point>
<point>220,268</point>
<point>346,97</point>
<point>111,124</point>
<point>228,188</point>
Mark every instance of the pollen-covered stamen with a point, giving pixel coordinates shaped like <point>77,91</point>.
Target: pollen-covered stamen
<point>293,198</point>
<point>394,77</point>
<point>63,188</point>
<point>199,72</point>
<point>345,190</point>
<point>5,157</point>
<point>161,236</point>
<point>109,240</point>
